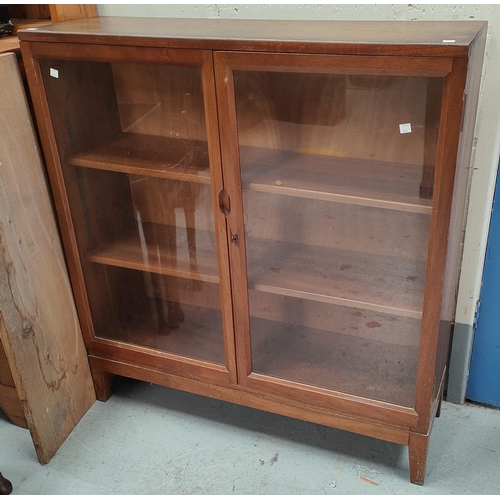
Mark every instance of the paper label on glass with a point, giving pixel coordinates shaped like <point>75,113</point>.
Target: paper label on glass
<point>405,128</point>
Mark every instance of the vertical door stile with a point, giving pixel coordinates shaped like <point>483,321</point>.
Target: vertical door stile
<point>221,226</point>
<point>236,237</point>
<point>448,139</point>
<point>61,203</point>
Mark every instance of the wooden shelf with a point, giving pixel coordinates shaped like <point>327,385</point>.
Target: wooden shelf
<point>199,336</point>
<point>380,283</point>
<point>342,180</point>
<point>154,255</point>
<point>363,367</point>
<point>377,283</point>
<point>149,155</point>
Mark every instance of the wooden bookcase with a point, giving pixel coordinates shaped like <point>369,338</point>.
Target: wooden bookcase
<point>268,213</point>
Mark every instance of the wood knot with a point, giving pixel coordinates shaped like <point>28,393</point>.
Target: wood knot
<point>27,329</point>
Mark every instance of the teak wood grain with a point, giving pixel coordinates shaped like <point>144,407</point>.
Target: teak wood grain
<point>451,117</point>
<point>355,37</point>
<point>285,299</point>
<point>162,158</point>
<point>350,181</point>
<point>345,180</point>
<point>361,276</point>
<point>128,252</point>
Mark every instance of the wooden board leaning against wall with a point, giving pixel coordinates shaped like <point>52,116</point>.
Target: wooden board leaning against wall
<point>39,327</point>
<point>25,16</point>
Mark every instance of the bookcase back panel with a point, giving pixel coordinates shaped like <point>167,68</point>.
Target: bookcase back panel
<point>345,116</point>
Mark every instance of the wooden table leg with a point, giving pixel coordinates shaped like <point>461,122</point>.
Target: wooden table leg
<point>102,380</point>
<point>5,486</point>
<point>417,449</point>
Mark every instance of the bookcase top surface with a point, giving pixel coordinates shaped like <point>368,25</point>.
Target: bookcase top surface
<point>439,38</point>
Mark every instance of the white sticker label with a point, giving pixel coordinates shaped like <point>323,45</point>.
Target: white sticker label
<point>54,73</point>
<point>405,128</point>
<point>448,41</point>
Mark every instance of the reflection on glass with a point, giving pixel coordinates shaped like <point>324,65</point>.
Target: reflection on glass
<point>337,173</point>
<point>132,140</point>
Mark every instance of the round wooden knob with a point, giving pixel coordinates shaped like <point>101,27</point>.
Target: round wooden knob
<point>5,486</point>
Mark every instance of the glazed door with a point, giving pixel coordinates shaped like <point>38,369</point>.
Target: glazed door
<point>329,163</point>
<point>138,168</point>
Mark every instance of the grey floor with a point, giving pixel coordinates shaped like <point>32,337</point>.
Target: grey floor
<point>152,440</point>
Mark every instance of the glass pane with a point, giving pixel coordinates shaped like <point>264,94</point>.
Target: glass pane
<point>337,174</point>
<point>133,147</point>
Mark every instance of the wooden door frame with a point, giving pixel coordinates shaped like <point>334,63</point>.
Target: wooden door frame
<point>128,353</point>
<point>454,72</point>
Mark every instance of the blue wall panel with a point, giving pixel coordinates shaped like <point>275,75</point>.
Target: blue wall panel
<point>484,378</point>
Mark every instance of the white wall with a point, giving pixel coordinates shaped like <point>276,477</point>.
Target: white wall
<point>487,134</point>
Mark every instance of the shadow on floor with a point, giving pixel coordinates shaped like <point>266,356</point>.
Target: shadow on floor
<point>363,448</point>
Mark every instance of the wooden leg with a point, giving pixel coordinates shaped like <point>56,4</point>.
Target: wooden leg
<point>417,448</point>
<point>102,381</point>
<point>5,486</point>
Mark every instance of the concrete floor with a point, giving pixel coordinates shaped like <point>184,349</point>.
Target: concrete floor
<point>152,440</point>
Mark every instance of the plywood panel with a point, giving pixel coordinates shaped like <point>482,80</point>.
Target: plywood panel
<point>40,330</point>
<point>322,115</point>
